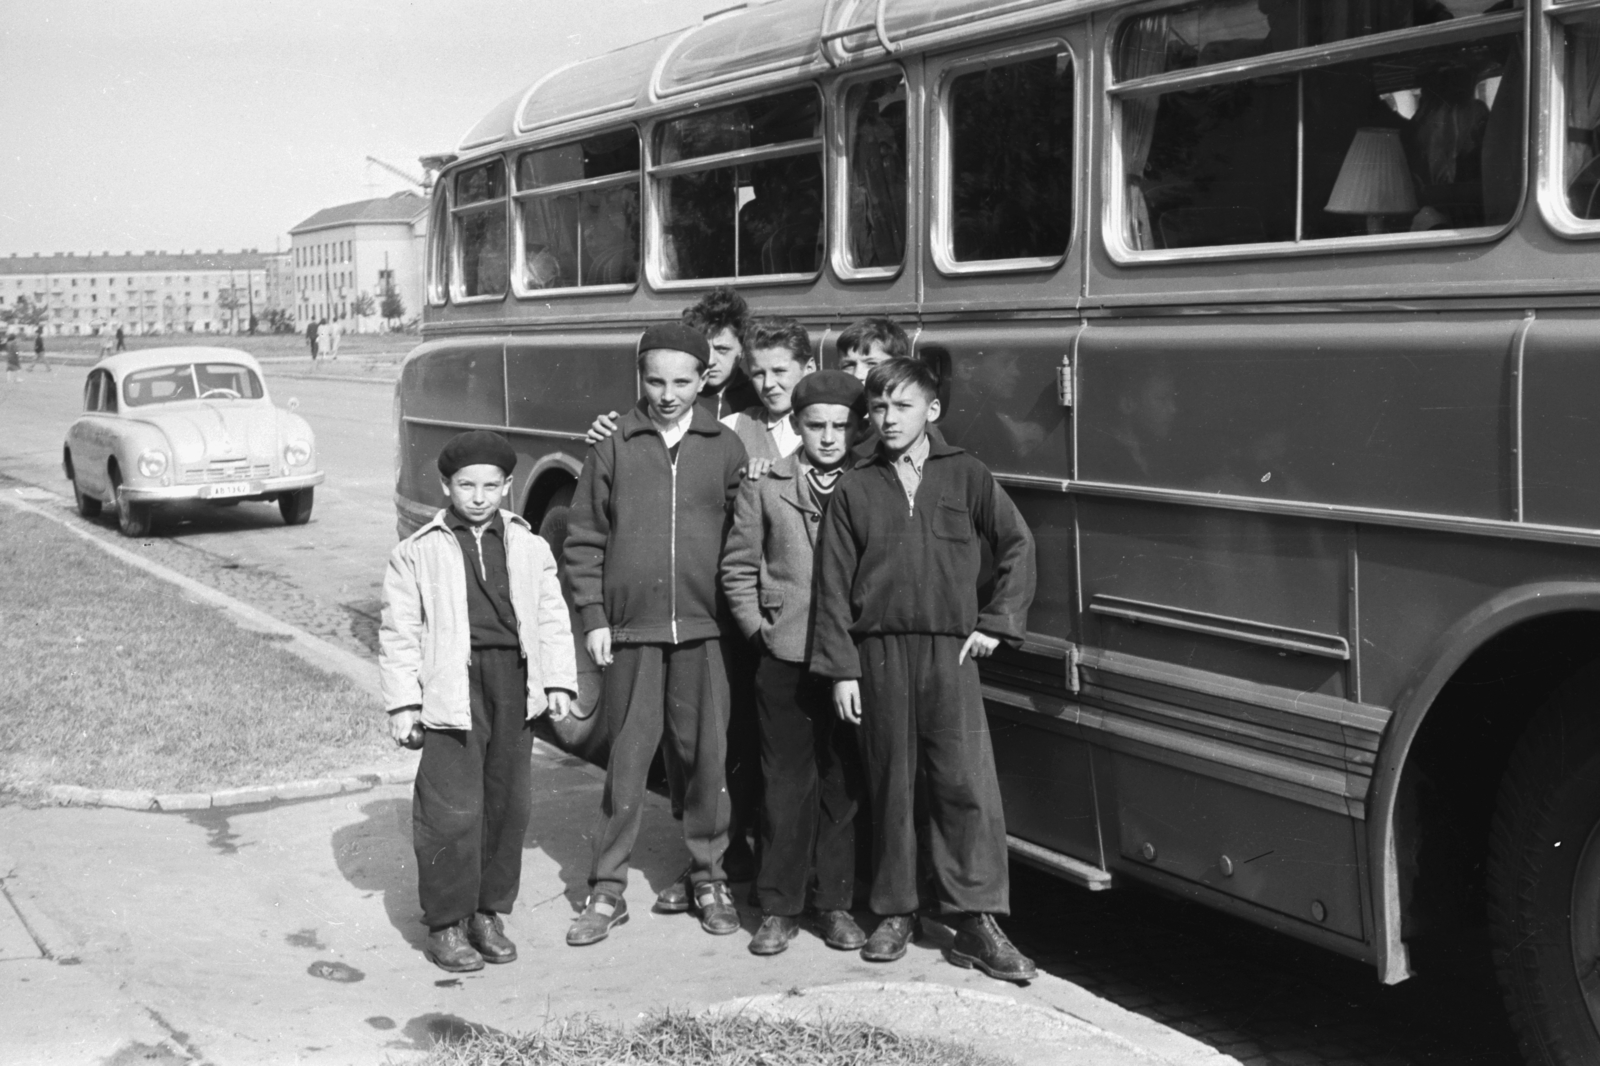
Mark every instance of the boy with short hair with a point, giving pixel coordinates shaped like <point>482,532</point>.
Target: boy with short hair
<point>644,538</point>
<point>475,643</point>
<point>808,763</point>
<point>898,625</point>
<point>869,343</point>
<point>777,354</point>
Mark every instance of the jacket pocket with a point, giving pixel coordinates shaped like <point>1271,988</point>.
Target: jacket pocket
<point>771,603</point>
<point>952,520</point>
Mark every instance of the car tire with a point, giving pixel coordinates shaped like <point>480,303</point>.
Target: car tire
<point>1544,879</point>
<point>133,519</point>
<point>88,506</point>
<point>296,506</point>
<point>578,733</point>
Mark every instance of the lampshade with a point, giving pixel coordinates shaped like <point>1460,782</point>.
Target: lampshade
<point>1374,179</point>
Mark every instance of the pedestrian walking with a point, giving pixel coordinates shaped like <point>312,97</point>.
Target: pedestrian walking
<point>38,351</point>
<point>311,339</point>
<point>475,643</point>
<point>334,330</point>
<point>122,340</point>
<point>324,339</point>
<point>899,629</point>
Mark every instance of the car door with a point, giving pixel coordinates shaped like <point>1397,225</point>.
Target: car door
<point>90,435</point>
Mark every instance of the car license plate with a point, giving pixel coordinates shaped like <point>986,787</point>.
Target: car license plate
<point>232,488</point>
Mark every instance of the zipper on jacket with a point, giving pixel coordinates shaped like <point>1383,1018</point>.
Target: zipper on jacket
<point>672,551</point>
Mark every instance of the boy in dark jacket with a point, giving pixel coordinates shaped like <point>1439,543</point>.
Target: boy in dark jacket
<point>897,629</point>
<point>644,536</point>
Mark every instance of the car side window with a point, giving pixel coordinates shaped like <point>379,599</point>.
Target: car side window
<point>91,392</point>
<point>108,393</point>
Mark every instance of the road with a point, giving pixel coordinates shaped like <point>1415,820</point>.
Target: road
<point>1257,996</point>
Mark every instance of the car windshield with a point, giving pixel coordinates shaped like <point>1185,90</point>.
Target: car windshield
<point>188,381</point>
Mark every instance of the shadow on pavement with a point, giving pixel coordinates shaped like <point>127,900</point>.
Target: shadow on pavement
<point>374,855</point>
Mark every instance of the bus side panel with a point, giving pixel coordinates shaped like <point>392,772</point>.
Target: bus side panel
<point>459,382</point>
<point>1046,782</point>
<point>559,381</point>
<point>1406,413</point>
<point>1561,421</point>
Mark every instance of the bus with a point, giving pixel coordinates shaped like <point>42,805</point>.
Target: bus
<point>1274,319</point>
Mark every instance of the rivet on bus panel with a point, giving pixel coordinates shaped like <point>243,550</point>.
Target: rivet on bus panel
<point>1319,910</point>
<point>1147,851</point>
<point>1225,864</point>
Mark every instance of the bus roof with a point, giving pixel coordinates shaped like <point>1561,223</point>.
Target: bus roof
<point>746,46</point>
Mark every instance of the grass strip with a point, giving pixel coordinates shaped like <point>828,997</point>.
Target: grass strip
<point>681,1039</point>
<point>111,678</point>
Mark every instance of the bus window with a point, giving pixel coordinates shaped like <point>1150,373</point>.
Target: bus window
<point>578,209</point>
<point>739,189</point>
<point>480,231</point>
<point>1009,184</point>
<point>438,248</point>
<point>875,116</point>
<point>1417,132</point>
<point>1579,148</point>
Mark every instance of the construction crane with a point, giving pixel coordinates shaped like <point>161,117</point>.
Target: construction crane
<point>425,183</point>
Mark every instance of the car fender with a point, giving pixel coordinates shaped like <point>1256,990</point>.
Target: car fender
<point>292,427</point>
<point>129,440</point>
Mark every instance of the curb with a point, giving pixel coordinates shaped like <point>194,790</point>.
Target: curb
<point>163,802</point>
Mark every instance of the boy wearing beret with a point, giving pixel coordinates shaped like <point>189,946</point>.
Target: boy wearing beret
<point>644,535</point>
<point>898,627</point>
<point>808,759</point>
<point>475,643</point>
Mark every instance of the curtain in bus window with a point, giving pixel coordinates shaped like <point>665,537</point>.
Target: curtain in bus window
<point>483,251</point>
<point>608,230</point>
<point>1583,117</point>
<point>1011,160</point>
<point>877,193</point>
<point>780,216</point>
<point>1141,52</point>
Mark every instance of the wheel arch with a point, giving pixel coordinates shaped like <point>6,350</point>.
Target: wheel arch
<point>549,475</point>
<point>1515,622</point>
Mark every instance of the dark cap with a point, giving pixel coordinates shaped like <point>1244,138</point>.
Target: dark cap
<point>677,337</point>
<point>829,386</point>
<point>478,446</point>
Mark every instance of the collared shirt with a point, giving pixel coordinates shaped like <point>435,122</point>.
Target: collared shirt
<point>489,611</point>
<point>671,435</point>
<point>908,468</point>
<point>785,438</point>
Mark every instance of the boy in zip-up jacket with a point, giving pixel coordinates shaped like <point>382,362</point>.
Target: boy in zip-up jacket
<point>644,537</point>
<point>475,644</point>
<point>898,627</point>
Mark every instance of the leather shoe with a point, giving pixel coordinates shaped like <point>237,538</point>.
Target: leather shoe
<point>980,943</point>
<point>888,942</point>
<point>487,933</point>
<point>840,931</point>
<point>600,915</point>
<point>449,950</point>
<point>774,935</point>
<point>718,915</point>
<point>674,899</point>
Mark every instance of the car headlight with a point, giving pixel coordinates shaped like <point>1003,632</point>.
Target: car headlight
<point>296,453</point>
<point>152,463</point>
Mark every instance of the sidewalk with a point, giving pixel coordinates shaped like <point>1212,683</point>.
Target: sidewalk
<point>290,933</point>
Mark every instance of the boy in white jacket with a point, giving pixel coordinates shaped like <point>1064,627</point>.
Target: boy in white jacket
<point>475,644</point>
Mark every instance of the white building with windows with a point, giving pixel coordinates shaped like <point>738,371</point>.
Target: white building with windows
<point>346,256</point>
<point>156,292</point>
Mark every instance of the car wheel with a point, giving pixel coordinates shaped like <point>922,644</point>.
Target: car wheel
<point>296,506</point>
<point>1544,879</point>
<point>133,519</point>
<point>88,506</point>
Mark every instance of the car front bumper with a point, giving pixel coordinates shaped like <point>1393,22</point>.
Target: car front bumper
<point>255,488</point>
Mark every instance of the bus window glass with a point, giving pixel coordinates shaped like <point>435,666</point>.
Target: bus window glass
<point>753,204</point>
<point>1395,142</point>
<point>1203,35</point>
<point>587,231</point>
<point>1581,157</point>
<point>480,228</point>
<point>875,115</point>
<point>1010,180</point>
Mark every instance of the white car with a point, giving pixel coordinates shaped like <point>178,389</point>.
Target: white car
<point>168,424</point>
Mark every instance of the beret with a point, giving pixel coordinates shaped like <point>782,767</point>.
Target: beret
<point>678,338</point>
<point>829,386</point>
<point>479,446</point>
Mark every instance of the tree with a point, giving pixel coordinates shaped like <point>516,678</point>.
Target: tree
<point>228,301</point>
<point>362,305</point>
<point>24,313</point>
<point>393,308</point>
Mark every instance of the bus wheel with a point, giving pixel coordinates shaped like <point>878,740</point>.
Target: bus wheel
<point>1544,879</point>
<point>576,734</point>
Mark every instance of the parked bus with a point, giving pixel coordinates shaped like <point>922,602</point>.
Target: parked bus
<point>1274,317</point>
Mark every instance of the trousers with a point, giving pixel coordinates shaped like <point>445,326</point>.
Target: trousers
<point>922,712</point>
<point>680,690</point>
<point>812,776</point>
<point>471,804</point>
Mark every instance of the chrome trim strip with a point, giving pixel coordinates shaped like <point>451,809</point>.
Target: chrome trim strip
<point>1033,481</point>
<point>1333,512</point>
<point>1519,349</point>
<point>521,431</point>
<point>1083,874</point>
<point>1304,641</point>
<point>746,155</point>
<point>608,182</point>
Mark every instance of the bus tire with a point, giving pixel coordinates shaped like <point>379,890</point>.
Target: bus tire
<point>579,733</point>
<point>1544,879</point>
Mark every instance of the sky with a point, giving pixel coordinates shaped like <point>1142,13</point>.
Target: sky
<point>133,125</point>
